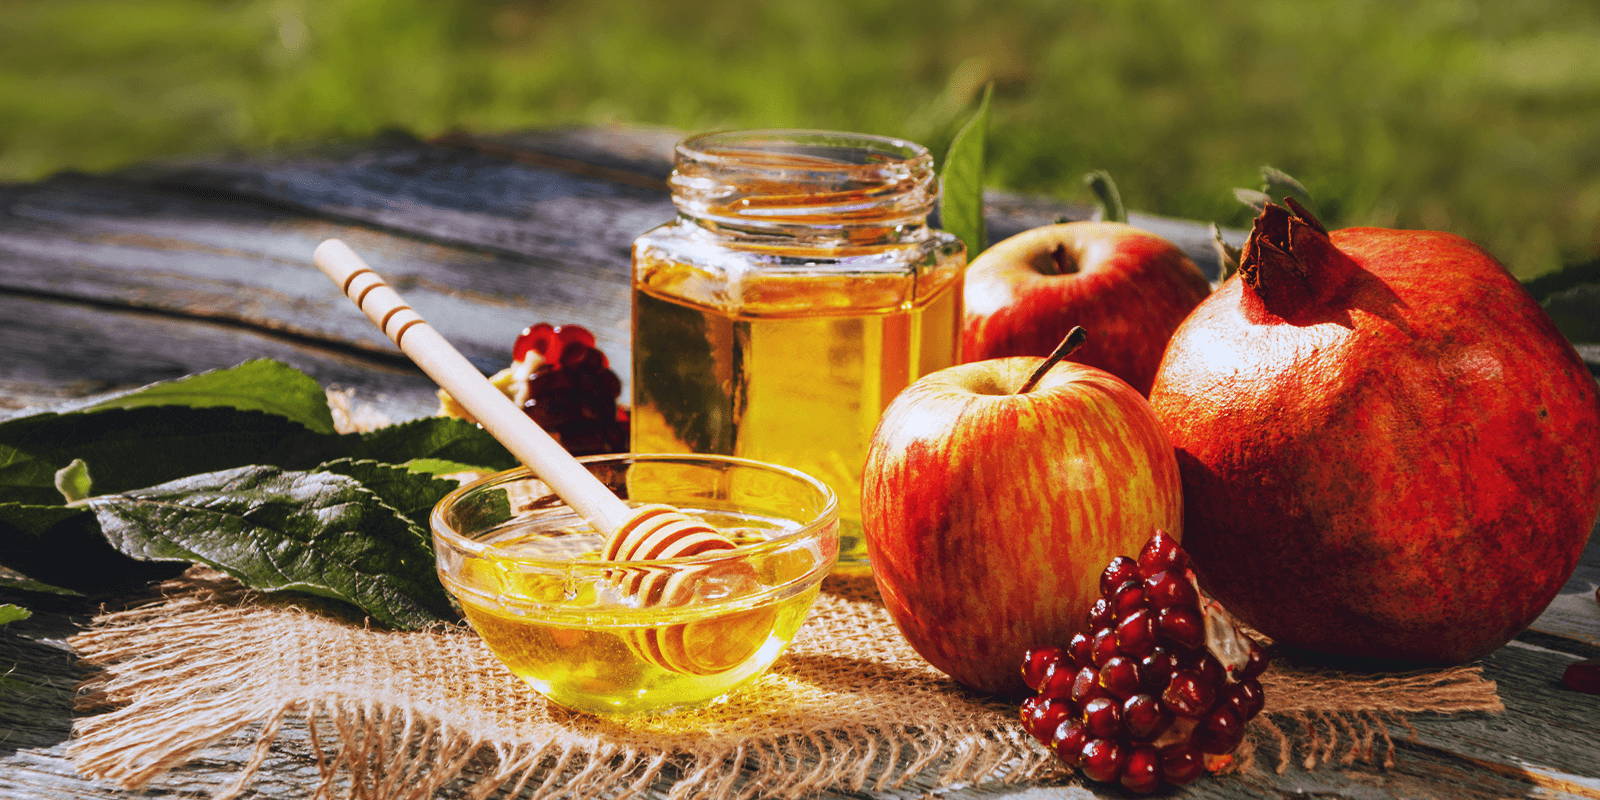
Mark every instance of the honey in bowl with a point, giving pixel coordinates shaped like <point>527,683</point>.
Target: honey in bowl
<point>638,636</point>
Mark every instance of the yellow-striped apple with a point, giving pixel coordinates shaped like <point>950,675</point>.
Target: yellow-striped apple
<point>994,494</point>
<point>1131,287</point>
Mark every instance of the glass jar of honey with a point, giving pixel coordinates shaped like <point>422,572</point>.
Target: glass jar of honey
<point>799,290</point>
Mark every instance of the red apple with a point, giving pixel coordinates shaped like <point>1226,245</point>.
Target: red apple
<point>990,512</point>
<point>1130,287</point>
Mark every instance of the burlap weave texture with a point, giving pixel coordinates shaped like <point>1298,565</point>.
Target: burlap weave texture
<point>399,715</point>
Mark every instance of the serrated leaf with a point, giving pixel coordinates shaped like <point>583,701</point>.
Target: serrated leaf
<point>10,613</point>
<point>317,533</point>
<point>443,438</point>
<point>961,180</point>
<point>73,481</point>
<point>411,493</point>
<point>262,385</point>
<point>129,448</point>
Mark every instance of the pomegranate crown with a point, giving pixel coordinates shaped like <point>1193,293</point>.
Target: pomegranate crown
<point>1289,266</point>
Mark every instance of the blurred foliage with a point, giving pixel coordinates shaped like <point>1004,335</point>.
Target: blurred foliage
<point>1474,117</point>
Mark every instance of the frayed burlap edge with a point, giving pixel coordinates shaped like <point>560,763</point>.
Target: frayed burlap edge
<point>196,667</point>
<point>183,673</point>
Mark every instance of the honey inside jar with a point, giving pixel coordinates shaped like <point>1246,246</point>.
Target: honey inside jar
<point>800,290</point>
<point>529,577</point>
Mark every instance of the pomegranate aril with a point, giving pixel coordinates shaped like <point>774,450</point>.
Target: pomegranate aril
<point>1136,636</point>
<point>534,338</point>
<point>1162,553</point>
<point>1101,614</point>
<point>1255,665</point>
<point>1102,760</point>
<point>1121,570</point>
<point>1166,589</point>
<point>1144,717</point>
<point>1086,686</point>
<point>1205,665</point>
<point>1036,663</point>
<point>1081,649</point>
<point>1245,698</point>
<point>1187,695</point>
<point>1057,680</point>
<point>1119,676</point>
<point>1220,731</point>
<point>1103,716</point>
<point>1104,646</point>
<point>1041,717</point>
<point>1128,598</point>
<point>1181,626</point>
<point>1582,676</point>
<point>1155,670</point>
<point>1068,741</point>
<point>1142,771</point>
<point>1180,764</point>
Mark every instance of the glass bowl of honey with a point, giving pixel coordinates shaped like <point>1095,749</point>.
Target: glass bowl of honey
<point>528,572</point>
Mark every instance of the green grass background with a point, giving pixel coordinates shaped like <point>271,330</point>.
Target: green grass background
<point>1481,118</point>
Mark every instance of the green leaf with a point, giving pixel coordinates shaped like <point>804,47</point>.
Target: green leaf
<point>442,438</point>
<point>961,180</point>
<point>13,613</point>
<point>411,493</point>
<point>278,530</point>
<point>1107,196</point>
<point>73,481</point>
<point>129,448</point>
<point>63,546</point>
<point>441,466</point>
<point>10,584</point>
<point>258,385</point>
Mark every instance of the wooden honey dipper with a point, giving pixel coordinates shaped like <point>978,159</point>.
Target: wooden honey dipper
<point>646,533</point>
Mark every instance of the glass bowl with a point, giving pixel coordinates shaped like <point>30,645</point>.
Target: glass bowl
<point>527,572</point>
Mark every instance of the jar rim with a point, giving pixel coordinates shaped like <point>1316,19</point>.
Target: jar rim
<point>712,148</point>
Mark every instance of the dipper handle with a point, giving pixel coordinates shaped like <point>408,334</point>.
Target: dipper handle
<point>604,511</point>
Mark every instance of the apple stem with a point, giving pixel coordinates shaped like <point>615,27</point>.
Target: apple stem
<point>1069,344</point>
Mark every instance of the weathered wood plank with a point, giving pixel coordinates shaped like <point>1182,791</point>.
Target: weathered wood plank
<point>58,350</point>
<point>117,243</point>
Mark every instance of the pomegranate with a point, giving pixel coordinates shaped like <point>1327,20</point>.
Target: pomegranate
<point>1388,451</point>
<point>1152,709</point>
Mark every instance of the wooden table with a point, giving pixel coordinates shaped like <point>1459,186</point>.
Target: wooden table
<point>117,280</point>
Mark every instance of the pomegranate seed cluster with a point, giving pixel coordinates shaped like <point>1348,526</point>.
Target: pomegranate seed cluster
<point>572,392</point>
<point>1147,693</point>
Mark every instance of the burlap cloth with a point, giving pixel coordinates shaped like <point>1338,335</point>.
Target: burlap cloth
<point>390,715</point>
<point>398,715</point>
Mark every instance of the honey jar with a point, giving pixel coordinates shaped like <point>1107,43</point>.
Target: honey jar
<point>799,289</point>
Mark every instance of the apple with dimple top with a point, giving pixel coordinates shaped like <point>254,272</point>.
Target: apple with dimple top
<point>1129,286</point>
<point>994,495</point>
